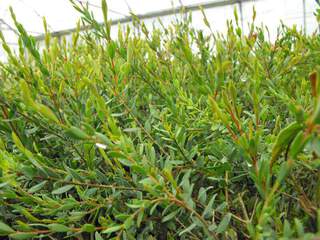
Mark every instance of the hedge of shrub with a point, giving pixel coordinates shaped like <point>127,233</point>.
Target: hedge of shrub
<point>167,133</point>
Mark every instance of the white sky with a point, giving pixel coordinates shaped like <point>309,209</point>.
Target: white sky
<point>60,14</point>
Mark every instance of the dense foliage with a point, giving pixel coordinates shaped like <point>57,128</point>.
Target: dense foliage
<point>162,134</point>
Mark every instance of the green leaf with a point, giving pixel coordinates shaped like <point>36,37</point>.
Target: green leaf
<point>315,118</point>
<point>284,138</point>
<point>88,228</point>
<point>5,229</point>
<point>153,208</point>
<point>104,10</point>
<point>22,236</point>
<point>140,218</point>
<point>131,130</point>
<point>134,206</point>
<point>297,144</point>
<point>208,208</point>
<point>188,229</point>
<point>223,225</point>
<point>26,94</point>
<point>299,227</point>
<point>77,133</point>
<point>112,49</point>
<point>202,195</point>
<point>98,236</point>
<point>130,51</point>
<point>112,229</point>
<point>287,232</point>
<point>103,139</point>
<point>170,216</point>
<point>284,170</point>
<point>17,142</point>
<point>75,175</point>
<point>218,112</point>
<point>62,189</point>
<point>56,227</point>
<point>47,112</point>
<point>117,154</point>
<point>128,222</point>
<point>125,162</point>
<point>37,187</point>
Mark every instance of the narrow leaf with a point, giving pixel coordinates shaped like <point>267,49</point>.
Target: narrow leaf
<point>62,189</point>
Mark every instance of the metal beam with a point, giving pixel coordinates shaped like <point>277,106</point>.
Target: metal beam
<point>155,14</point>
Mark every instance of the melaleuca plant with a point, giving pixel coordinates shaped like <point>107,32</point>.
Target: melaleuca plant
<point>163,133</point>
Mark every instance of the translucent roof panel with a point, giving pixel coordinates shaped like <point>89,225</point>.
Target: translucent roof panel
<point>61,15</point>
<point>146,6</point>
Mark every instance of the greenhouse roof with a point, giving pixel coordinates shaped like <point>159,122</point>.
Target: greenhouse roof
<point>61,16</point>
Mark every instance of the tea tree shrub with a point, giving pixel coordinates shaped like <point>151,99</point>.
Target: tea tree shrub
<point>163,134</point>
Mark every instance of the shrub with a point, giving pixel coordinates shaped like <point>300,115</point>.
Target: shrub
<point>162,134</point>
